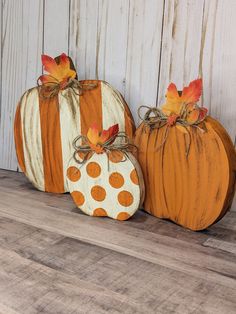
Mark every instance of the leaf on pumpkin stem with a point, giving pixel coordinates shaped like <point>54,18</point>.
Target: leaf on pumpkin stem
<point>93,134</point>
<point>58,73</point>
<point>174,101</point>
<point>97,138</point>
<point>192,93</point>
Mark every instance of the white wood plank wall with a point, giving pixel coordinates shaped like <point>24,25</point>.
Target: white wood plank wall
<point>139,46</point>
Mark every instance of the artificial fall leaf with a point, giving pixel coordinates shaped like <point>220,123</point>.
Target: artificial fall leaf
<point>58,73</point>
<point>97,139</point>
<point>174,101</point>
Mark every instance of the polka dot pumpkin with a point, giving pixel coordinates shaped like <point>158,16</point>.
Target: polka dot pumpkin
<point>97,191</point>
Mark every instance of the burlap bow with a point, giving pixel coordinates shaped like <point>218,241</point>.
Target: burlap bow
<point>155,118</point>
<point>125,146</point>
<point>51,89</point>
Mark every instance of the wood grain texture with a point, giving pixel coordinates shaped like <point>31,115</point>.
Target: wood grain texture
<point>181,44</point>
<point>143,53</point>
<point>56,27</point>
<point>195,190</point>
<point>21,43</point>
<point>83,37</point>
<point>218,66</point>
<point>198,40</point>
<point>53,260</point>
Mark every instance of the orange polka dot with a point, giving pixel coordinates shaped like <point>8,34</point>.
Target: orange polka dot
<point>98,193</point>
<point>116,180</point>
<point>78,198</point>
<point>125,198</point>
<point>99,212</point>
<point>73,173</point>
<point>134,176</point>
<point>116,156</point>
<point>83,156</point>
<point>93,169</point>
<point>122,216</point>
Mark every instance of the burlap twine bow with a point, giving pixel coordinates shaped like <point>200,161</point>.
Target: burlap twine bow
<point>154,118</point>
<point>125,146</point>
<point>51,89</point>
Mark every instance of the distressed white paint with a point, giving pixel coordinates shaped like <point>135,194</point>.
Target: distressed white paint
<point>56,27</point>
<point>31,137</point>
<point>134,46</point>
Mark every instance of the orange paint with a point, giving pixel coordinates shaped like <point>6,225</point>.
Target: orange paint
<point>78,198</point>
<point>98,193</point>
<point>123,216</point>
<point>194,191</point>
<point>115,156</point>
<point>125,198</point>
<point>93,169</point>
<point>134,176</point>
<point>51,144</point>
<point>19,139</point>
<point>91,107</point>
<point>99,212</point>
<point>73,174</point>
<point>116,180</point>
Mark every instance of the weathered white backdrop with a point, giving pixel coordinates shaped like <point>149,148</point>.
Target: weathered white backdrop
<point>139,46</point>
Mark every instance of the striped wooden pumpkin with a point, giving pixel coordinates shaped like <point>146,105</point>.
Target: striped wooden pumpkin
<point>116,191</point>
<point>193,190</point>
<point>45,128</point>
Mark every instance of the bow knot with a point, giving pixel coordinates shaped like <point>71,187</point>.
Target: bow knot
<point>51,89</point>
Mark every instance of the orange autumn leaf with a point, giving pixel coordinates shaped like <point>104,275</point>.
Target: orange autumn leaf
<point>174,101</point>
<point>97,139</point>
<point>58,73</point>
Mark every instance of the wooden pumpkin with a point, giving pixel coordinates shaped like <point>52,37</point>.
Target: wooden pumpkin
<point>188,161</point>
<point>108,182</point>
<point>46,123</point>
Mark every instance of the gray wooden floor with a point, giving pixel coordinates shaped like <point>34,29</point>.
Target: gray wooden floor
<point>54,259</point>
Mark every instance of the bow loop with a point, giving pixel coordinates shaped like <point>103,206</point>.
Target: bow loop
<point>50,89</point>
<point>82,145</point>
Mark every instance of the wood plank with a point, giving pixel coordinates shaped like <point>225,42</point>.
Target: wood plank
<point>198,40</point>
<point>122,239</point>
<point>21,49</point>
<point>112,42</point>
<point>152,289</point>
<point>33,288</point>
<point>56,27</point>
<point>83,37</point>
<point>78,253</point>
<point>181,44</point>
<point>143,53</point>
<point>218,51</point>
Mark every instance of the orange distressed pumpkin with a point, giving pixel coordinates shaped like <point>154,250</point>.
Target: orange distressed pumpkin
<point>188,161</point>
<point>49,117</point>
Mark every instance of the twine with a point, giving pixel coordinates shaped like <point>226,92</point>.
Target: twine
<point>154,118</point>
<point>125,147</point>
<point>51,89</point>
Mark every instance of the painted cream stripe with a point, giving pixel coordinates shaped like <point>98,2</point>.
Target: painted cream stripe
<point>70,126</point>
<point>31,135</point>
<point>112,108</point>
